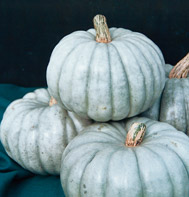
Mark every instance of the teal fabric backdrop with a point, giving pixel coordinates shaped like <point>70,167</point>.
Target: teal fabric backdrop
<point>14,180</point>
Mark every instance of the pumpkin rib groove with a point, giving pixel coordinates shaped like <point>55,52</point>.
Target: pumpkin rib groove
<point>165,166</point>
<point>141,71</point>
<point>120,34</point>
<point>108,166</point>
<point>60,74</point>
<point>87,80</point>
<point>92,32</point>
<point>126,77</point>
<point>159,56</point>
<point>169,147</point>
<point>74,36</point>
<point>173,102</point>
<point>87,164</point>
<point>148,69</point>
<point>117,129</point>
<point>81,34</point>
<point>185,103</point>
<point>119,85</point>
<point>107,152</point>
<point>159,75</point>
<point>61,68</point>
<point>130,89</point>
<point>186,89</point>
<point>66,40</point>
<point>110,84</point>
<point>154,133</point>
<point>111,137</point>
<point>132,92</point>
<point>43,166</point>
<point>162,114</point>
<point>178,159</point>
<point>150,43</point>
<point>168,137</point>
<point>7,143</point>
<point>4,140</point>
<point>156,54</point>
<point>95,142</point>
<point>139,173</point>
<point>179,85</point>
<point>173,151</point>
<point>27,136</point>
<point>16,115</point>
<point>57,136</point>
<point>36,142</point>
<point>112,31</point>
<point>73,165</point>
<point>72,77</point>
<point>74,73</point>
<point>98,84</point>
<point>20,159</point>
<point>57,67</point>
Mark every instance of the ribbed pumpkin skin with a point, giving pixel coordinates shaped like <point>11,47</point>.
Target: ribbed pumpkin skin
<point>35,134</point>
<point>106,81</point>
<point>97,162</point>
<point>173,106</point>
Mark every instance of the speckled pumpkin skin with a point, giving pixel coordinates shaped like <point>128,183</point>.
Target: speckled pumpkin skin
<point>35,134</point>
<point>106,81</point>
<point>173,106</point>
<point>97,162</point>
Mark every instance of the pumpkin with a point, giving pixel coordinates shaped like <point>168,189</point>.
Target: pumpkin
<point>102,161</point>
<point>35,132</point>
<point>173,106</point>
<point>106,75</point>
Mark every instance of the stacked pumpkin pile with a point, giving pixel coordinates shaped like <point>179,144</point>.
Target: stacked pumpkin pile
<point>106,75</point>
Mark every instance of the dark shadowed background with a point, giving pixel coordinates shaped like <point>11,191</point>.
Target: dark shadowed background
<point>30,29</point>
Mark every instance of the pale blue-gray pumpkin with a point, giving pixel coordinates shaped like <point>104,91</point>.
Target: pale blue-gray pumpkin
<point>173,105</point>
<point>100,163</point>
<point>35,132</point>
<point>105,78</point>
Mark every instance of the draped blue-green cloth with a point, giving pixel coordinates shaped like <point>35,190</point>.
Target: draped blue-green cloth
<point>14,180</point>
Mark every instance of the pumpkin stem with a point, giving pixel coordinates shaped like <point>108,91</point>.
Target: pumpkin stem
<point>101,27</point>
<point>52,101</point>
<point>181,69</point>
<point>135,134</point>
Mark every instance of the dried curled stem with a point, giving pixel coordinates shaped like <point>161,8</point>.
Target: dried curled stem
<point>181,69</point>
<point>135,134</point>
<point>52,101</point>
<point>101,27</point>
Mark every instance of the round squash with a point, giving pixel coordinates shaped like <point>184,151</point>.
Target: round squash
<point>102,161</point>
<point>173,105</point>
<point>107,74</point>
<point>35,132</point>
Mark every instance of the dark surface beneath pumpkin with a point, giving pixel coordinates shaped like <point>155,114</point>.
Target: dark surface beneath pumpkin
<point>31,29</point>
<point>14,180</point>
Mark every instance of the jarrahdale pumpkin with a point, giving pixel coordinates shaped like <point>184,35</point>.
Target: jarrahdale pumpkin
<point>106,74</point>
<point>133,158</point>
<point>35,131</point>
<point>173,105</point>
